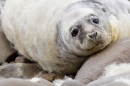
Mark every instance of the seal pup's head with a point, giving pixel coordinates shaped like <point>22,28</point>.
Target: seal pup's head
<point>83,30</point>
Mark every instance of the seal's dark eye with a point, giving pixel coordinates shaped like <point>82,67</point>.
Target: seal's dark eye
<point>95,20</point>
<point>75,32</point>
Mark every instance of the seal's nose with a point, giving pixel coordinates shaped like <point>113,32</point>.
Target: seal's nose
<point>92,35</point>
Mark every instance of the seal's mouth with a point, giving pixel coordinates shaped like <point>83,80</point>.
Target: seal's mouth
<point>91,45</point>
<point>98,45</point>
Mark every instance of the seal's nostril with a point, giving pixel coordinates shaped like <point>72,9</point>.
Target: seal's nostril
<point>93,35</point>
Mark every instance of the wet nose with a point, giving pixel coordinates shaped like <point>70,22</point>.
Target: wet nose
<point>93,35</point>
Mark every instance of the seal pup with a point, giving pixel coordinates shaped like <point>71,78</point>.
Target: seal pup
<point>60,34</point>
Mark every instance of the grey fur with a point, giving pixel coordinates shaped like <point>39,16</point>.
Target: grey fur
<point>1,6</point>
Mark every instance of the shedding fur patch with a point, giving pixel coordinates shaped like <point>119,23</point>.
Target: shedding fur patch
<point>116,69</point>
<point>115,27</point>
<point>58,82</point>
<point>35,79</point>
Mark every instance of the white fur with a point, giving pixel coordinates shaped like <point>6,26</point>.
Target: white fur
<point>1,7</point>
<point>35,79</point>
<point>33,25</point>
<point>58,82</point>
<point>116,69</point>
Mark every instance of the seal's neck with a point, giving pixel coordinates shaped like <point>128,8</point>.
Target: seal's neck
<point>115,27</point>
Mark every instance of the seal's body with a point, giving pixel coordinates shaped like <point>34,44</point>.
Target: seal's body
<point>59,34</point>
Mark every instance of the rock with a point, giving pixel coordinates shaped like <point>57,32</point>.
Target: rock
<point>5,49</point>
<point>19,70</point>
<point>19,60</point>
<point>25,70</point>
<point>24,82</point>
<point>22,59</point>
<point>72,83</point>
<point>118,80</point>
<point>115,84</point>
<point>93,68</point>
<point>50,76</point>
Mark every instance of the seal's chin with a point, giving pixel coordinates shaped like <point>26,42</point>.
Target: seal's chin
<point>97,45</point>
<point>89,45</point>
